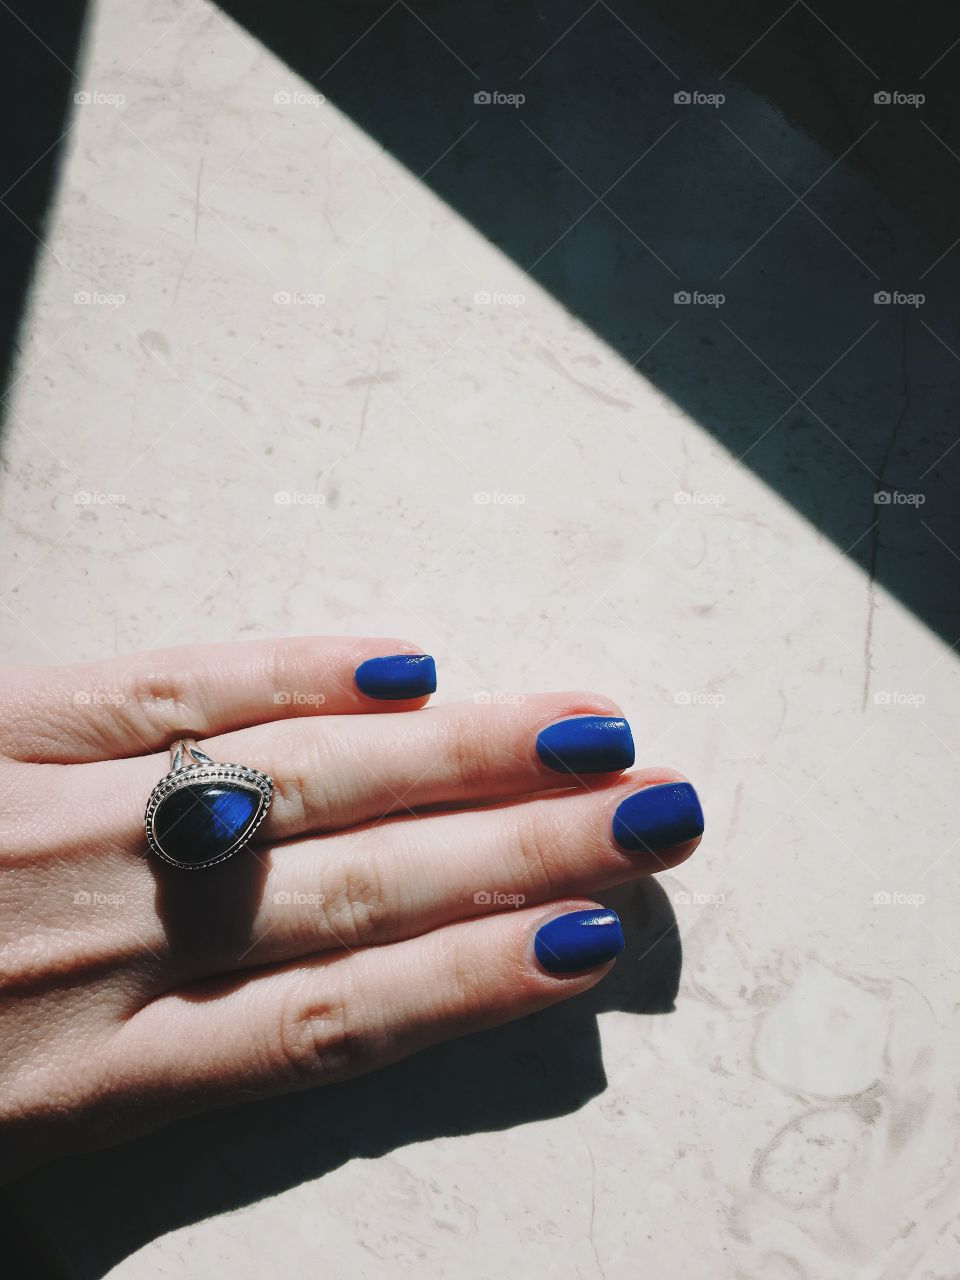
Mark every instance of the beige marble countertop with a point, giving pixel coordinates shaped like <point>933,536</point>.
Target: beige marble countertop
<point>286,406</point>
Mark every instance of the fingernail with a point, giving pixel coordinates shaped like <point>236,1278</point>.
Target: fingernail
<point>586,744</point>
<point>658,817</point>
<point>401,675</point>
<point>579,940</point>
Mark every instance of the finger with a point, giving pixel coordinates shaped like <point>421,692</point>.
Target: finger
<point>394,881</point>
<point>338,771</point>
<point>336,1017</point>
<point>133,705</point>
<point>388,882</point>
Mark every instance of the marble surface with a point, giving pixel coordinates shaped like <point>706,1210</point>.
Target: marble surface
<point>261,391</point>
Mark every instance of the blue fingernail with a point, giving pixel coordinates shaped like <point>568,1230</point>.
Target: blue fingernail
<point>586,744</point>
<point>658,817</point>
<point>402,675</point>
<point>579,940</point>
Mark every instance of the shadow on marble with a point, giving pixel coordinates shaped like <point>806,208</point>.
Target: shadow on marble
<point>90,1212</point>
<point>798,199</point>
<point>36,99</point>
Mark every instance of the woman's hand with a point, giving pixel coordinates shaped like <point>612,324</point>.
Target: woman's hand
<point>417,876</point>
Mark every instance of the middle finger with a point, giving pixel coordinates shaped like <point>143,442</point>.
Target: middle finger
<point>334,772</point>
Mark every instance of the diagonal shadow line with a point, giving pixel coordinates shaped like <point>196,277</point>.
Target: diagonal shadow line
<point>803,293</point>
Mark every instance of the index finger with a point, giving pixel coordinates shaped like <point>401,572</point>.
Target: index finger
<point>132,705</point>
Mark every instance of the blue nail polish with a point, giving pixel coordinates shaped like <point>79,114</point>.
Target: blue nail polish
<point>658,817</point>
<point>402,675</point>
<point>586,744</point>
<point>579,940</point>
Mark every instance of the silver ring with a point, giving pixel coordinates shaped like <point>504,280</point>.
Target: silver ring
<point>202,812</point>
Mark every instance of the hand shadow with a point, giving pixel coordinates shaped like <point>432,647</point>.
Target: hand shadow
<point>92,1211</point>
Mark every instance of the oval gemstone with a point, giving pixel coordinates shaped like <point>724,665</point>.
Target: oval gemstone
<point>198,823</point>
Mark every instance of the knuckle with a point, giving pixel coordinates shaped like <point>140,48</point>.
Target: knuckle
<point>158,703</point>
<point>320,1037</point>
<point>537,841</point>
<point>470,748</point>
<point>361,912</point>
<point>302,793</point>
<point>461,997</point>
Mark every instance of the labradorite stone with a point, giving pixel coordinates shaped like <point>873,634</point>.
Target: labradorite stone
<point>200,822</point>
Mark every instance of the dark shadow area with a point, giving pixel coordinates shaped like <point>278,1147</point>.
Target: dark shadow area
<point>37,83</point>
<point>94,1210</point>
<point>798,198</point>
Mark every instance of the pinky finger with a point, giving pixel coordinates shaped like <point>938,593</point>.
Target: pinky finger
<point>341,1015</point>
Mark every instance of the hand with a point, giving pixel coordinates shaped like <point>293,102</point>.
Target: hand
<point>417,876</point>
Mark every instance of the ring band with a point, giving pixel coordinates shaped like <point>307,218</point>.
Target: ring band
<point>203,811</point>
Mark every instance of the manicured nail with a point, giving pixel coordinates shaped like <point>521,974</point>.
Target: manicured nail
<point>579,940</point>
<point>658,817</point>
<point>586,744</point>
<point>402,675</point>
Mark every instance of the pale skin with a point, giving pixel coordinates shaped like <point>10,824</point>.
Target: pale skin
<point>347,936</point>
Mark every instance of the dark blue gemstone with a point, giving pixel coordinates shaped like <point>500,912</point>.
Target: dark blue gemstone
<point>198,823</point>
